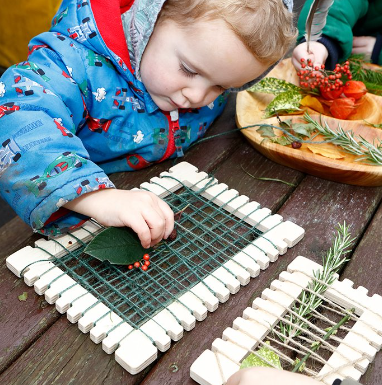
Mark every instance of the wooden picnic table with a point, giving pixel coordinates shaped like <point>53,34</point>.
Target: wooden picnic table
<point>40,346</point>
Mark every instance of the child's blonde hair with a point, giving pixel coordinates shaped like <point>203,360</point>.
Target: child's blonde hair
<point>264,26</point>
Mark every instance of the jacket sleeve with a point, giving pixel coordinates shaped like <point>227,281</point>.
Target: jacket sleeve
<point>342,17</point>
<point>43,164</point>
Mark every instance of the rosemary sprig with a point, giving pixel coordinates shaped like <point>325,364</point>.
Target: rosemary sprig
<point>368,152</point>
<point>331,331</point>
<point>333,260</point>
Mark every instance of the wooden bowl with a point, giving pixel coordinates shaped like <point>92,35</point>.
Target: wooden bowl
<point>250,110</point>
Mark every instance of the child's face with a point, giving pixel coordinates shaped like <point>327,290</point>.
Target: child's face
<point>189,67</point>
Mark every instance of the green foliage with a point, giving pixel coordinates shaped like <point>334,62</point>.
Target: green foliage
<point>23,297</point>
<point>371,78</point>
<point>373,125</point>
<point>272,360</point>
<point>266,131</point>
<point>303,129</point>
<point>292,131</point>
<point>273,86</point>
<point>118,245</point>
<point>367,152</point>
<point>285,102</point>
<point>333,261</point>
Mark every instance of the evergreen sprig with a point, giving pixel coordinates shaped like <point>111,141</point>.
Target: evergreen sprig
<point>371,78</point>
<point>333,260</point>
<point>368,152</point>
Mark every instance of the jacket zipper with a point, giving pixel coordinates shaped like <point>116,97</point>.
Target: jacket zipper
<point>173,128</point>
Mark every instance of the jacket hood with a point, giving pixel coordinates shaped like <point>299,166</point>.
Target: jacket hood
<point>138,23</point>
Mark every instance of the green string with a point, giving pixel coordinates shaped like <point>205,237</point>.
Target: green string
<point>208,236</point>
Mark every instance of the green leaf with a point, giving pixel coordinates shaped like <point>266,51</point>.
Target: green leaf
<point>23,297</point>
<point>266,131</point>
<point>273,86</point>
<point>286,124</point>
<point>304,129</point>
<point>118,245</point>
<point>302,367</point>
<point>373,125</point>
<point>284,103</point>
<point>282,140</point>
<point>265,352</point>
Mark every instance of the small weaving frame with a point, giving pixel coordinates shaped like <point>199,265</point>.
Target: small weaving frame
<point>223,240</point>
<point>328,356</point>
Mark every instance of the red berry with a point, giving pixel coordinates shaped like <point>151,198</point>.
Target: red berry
<point>147,263</point>
<point>130,267</point>
<point>146,257</point>
<point>144,267</point>
<point>296,144</point>
<point>172,236</point>
<point>329,94</point>
<point>137,264</point>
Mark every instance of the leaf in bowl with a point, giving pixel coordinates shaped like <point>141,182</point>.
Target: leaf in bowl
<point>118,245</point>
<point>313,103</point>
<point>273,86</point>
<point>325,149</point>
<point>287,102</point>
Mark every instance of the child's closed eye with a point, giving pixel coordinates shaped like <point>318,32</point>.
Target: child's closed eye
<point>186,71</point>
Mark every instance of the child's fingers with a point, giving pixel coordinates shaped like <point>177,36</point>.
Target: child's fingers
<point>168,216</point>
<point>358,42</point>
<point>140,226</point>
<point>358,50</point>
<point>156,222</point>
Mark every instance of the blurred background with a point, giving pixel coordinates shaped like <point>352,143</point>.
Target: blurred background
<point>19,22</point>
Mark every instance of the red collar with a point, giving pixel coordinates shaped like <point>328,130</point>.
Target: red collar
<point>108,18</point>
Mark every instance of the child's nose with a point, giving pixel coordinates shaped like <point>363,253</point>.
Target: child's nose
<point>200,96</point>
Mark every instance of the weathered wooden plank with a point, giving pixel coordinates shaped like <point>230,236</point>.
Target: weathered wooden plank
<point>269,193</point>
<point>365,269</point>
<point>20,322</point>
<point>6,212</point>
<point>12,234</point>
<point>62,356</point>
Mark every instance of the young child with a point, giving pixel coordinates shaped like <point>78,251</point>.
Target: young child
<point>116,86</point>
<point>352,26</point>
<point>270,376</point>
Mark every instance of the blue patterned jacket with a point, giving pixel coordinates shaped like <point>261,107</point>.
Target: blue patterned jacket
<point>75,112</point>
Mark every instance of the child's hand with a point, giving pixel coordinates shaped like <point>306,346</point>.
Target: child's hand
<point>363,45</point>
<point>318,54</point>
<point>269,376</point>
<point>149,216</point>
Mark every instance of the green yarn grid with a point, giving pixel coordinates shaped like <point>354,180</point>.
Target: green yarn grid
<point>207,237</point>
